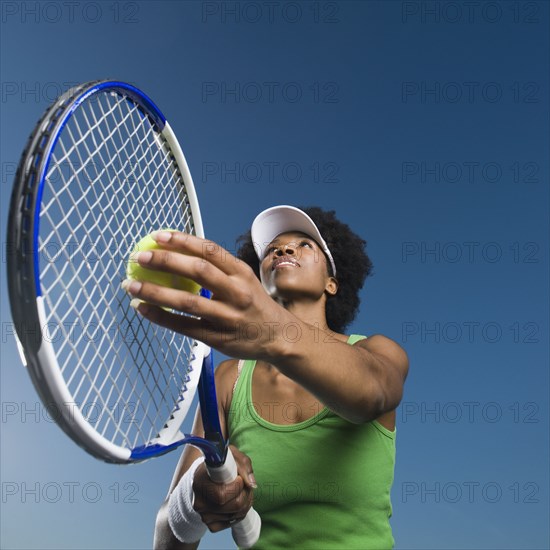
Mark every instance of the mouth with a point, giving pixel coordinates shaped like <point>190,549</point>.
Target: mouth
<point>285,261</point>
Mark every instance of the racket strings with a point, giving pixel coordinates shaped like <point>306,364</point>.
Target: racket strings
<point>112,180</point>
<point>141,154</point>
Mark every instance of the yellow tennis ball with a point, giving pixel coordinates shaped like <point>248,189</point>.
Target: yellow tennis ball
<point>139,273</point>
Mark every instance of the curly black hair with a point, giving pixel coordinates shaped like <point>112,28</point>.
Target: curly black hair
<point>353,265</point>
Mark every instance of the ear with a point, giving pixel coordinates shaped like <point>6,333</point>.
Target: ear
<point>331,287</point>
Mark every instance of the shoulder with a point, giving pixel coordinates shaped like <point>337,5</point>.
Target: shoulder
<point>226,375</point>
<point>385,349</point>
<point>224,369</point>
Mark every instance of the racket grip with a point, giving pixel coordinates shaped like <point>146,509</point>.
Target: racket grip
<point>247,532</point>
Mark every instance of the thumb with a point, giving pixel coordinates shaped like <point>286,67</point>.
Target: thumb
<point>244,467</point>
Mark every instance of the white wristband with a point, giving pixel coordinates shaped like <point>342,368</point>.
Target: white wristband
<point>185,522</point>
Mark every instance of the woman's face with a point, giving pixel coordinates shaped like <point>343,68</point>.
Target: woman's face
<point>294,266</point>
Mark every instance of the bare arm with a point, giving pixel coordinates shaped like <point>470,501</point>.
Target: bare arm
<point>359,383</point>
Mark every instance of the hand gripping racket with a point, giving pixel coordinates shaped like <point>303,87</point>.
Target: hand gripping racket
<point>101,169</point>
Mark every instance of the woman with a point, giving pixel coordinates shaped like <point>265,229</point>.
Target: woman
<point>309,410</point>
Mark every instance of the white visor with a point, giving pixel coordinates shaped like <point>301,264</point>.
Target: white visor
<point>281,219</point>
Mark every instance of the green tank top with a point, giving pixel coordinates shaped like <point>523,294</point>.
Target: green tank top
<point>323,483</point>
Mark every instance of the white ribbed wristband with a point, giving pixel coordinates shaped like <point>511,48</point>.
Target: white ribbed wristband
<point>185,522</point>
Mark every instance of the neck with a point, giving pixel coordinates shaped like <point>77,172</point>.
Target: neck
<point>312,313</point>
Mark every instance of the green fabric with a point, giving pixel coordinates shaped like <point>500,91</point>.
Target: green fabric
<point>323,483</point>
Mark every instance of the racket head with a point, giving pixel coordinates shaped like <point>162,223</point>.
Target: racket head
<point>101,170</point>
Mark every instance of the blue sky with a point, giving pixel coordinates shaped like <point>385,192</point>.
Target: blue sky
<point>425,126</point>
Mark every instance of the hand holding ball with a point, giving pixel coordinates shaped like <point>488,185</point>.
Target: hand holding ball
<point>136,272</point>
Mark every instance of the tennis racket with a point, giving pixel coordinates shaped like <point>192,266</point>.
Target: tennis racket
<point>102,168</point>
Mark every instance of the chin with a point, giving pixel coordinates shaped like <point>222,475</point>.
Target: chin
<point>269,287</point>
<point>273,291</point>
<point>282,291</point>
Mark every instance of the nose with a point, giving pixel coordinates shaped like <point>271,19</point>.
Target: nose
<point>286,249</point>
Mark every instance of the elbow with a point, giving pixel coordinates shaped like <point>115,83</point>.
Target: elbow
<point>364,411</point>
<point>374,405</point>
<point>372,411</point>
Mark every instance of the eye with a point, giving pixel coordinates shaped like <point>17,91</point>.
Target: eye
<point>306,243</point>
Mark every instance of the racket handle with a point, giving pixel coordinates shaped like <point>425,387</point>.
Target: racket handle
<point>247,532</point>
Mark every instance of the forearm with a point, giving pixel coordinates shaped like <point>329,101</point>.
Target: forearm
<point>164,538</point>
<point>354,382</point>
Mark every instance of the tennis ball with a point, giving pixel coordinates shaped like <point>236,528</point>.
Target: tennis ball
<point>139,273</point>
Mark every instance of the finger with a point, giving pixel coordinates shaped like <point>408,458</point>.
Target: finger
<point>198,329</point>
<point>244,467</point>
<point>199,247</point>
<point>217,526</point>
<point>199,270</point>
<point>180,300</point>
<point>211,517</point>
<point>233,513</point>
<point>223,499</point>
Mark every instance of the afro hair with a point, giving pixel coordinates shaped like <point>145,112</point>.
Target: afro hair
<point>353,265</point>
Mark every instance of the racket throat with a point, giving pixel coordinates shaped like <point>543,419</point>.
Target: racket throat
<point>209,413</point>
<point>217,450</point>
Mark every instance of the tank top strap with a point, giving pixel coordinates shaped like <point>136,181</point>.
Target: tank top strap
<point>242,396</point>
<point>239,370</point>
<point>354,338</point>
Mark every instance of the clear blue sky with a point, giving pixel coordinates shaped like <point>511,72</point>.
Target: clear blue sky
<point>427,131</point>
